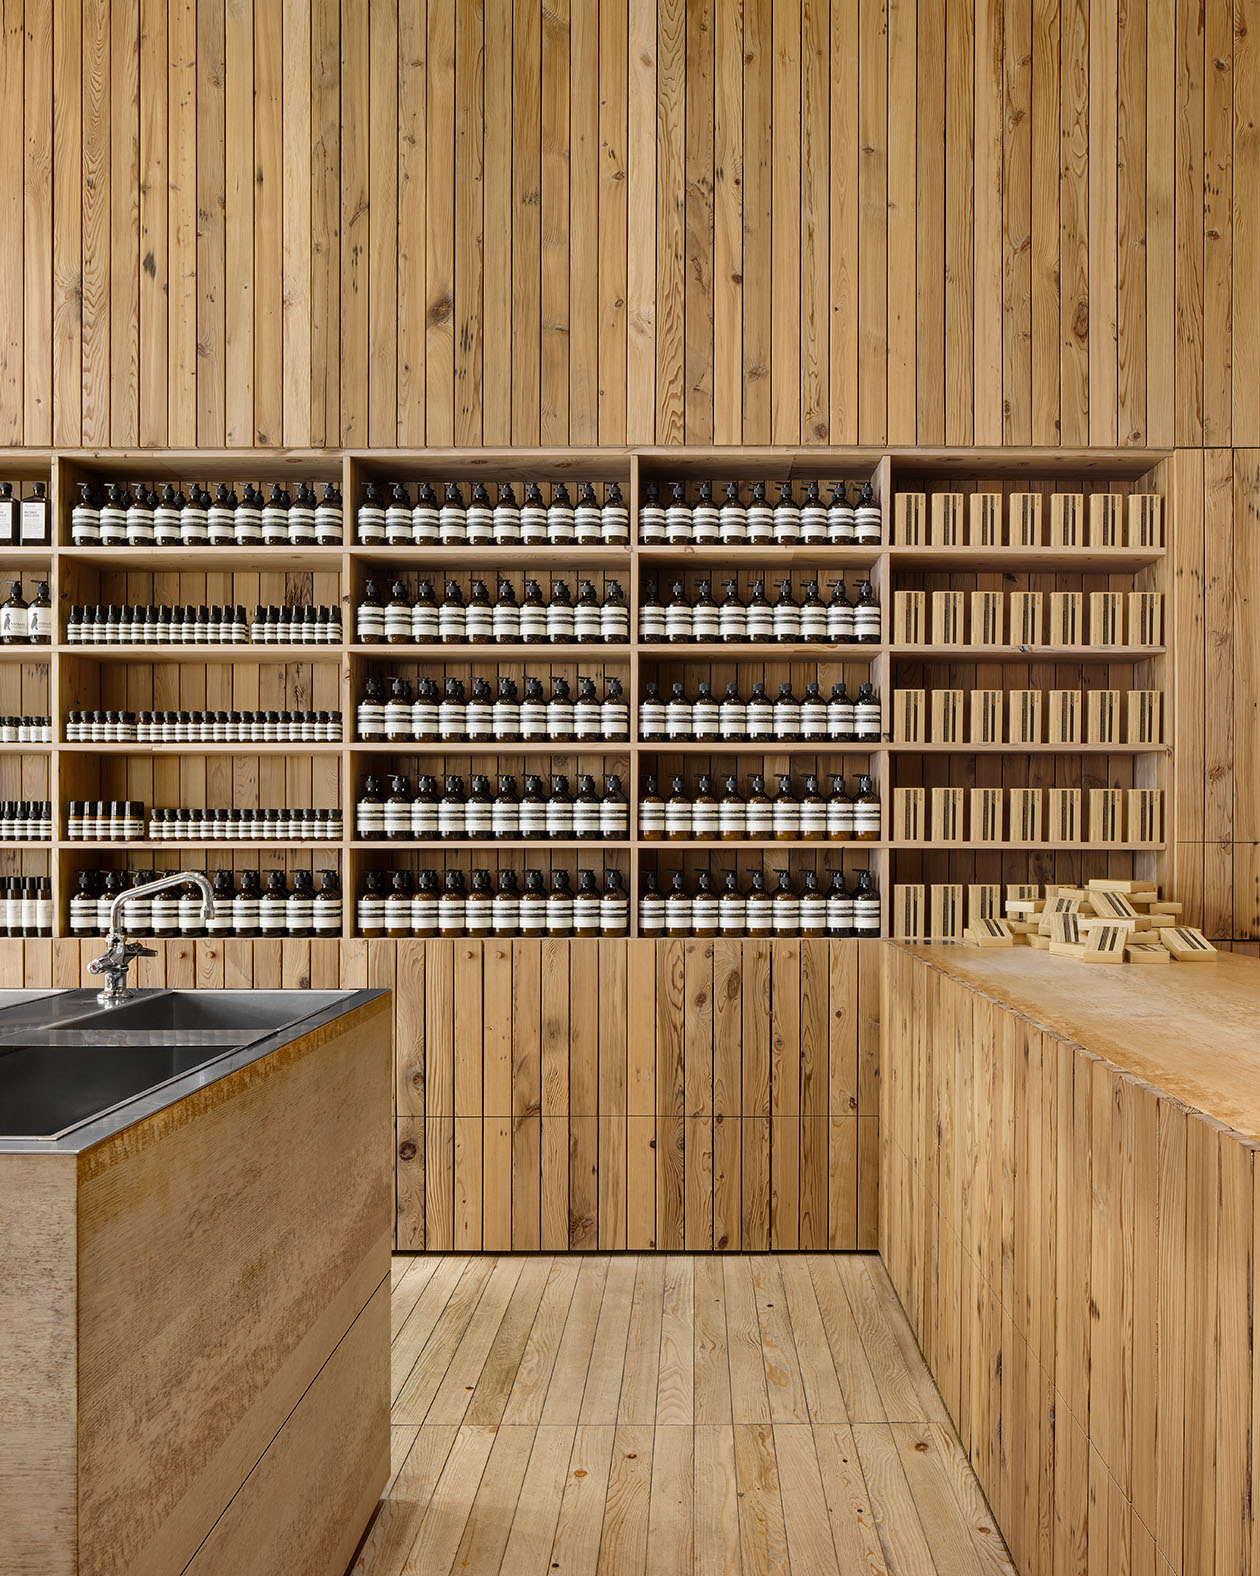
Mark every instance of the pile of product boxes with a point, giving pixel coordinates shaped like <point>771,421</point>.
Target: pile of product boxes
<point>1104,921</point>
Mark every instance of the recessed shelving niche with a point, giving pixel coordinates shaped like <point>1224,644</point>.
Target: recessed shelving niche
<point>53,680</point>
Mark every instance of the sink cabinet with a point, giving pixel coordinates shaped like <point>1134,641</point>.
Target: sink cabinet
<point>194,1325</point>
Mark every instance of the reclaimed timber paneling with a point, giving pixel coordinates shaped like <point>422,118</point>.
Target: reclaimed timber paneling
<point>939,220</point>
<point>538,1105</point>
<point>1074,1246</point>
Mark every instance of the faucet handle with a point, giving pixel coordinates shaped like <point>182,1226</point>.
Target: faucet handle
<point>133,949</point>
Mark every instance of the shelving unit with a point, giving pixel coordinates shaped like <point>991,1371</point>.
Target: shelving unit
<point>50,680</point>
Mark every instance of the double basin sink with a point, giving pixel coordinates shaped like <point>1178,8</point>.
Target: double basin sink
<point>65,1059</point>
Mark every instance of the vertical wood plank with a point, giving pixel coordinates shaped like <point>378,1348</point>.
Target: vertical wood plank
<point>238,222</point>
<point>267,379</point>
<point>413,79</point>
<point>526,221</point>
<point>37,225</point>
<point>671,214</point>
<point>728,220</point>
<point>584,230</point>
<point>902,221</point>
<point>873,232</point>
<point>757,278</point>
<point>95,339</point>
<point>211,249</point>
<point>296,324</point>
<point>554,347</point>
<point>440,308</point>
<point>699,238</point>
<point>614,72</point>
<point>355,230</point>
<point>67,255</point>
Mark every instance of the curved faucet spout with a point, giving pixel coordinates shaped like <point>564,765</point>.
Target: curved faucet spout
<point>115,960</point>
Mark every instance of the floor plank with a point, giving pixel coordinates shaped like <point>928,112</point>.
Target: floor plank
<point>646,1415</point>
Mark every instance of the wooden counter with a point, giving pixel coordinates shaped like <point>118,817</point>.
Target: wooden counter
<point>1070,1211</point>
<point>194,1325</point>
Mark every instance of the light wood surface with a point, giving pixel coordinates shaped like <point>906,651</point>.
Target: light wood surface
<point>1069,1211</point>
<point>650,1414</point>
<point>1191,1034</point>
<point>38,1444</point>
<point>189,1376</point>
<point>689,227</point>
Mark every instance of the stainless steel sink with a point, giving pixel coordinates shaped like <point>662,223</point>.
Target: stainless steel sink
<point>66,1060</point>
<point>45,1090</point>
<point>254,1012</point>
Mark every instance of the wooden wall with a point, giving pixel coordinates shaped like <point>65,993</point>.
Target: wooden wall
<point>331,221</point>
<point>1215,675</point>
<point>676,1095</point>
<point>1077,1255</point>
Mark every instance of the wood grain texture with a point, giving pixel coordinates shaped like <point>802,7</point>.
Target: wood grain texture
<point>630,1428</point>
<point>1104,1224</point>
<point>855,211</point>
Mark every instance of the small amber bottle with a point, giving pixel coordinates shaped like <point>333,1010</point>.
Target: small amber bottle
<point>651,812</point>
<point>677,813</point>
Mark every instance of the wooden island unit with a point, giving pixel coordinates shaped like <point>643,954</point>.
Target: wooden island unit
<point>1070,1213</point>
<point>194,1320</point>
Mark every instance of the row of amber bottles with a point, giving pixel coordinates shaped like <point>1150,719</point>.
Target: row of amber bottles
<point>811,815</point>
<point>394,904</point>
<point>390,517</point>
<point>710,905</point>
<point>477,621</point>
<point>784,523</point>
<point>683,619</point>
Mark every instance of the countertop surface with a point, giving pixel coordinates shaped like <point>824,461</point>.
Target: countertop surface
<point>1190,1030</point>
<point>41,1010</point>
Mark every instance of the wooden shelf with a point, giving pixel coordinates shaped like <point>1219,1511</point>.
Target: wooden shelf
<point>487,747</point>
<point>765,554</point>
<point>763,844</point>
<point>223,676</point>
<point>1021,654</point>
<point>228,560</point>
<point>756,747</point>
<point>492,651</point>
<point>146,845</point>
<point>1000,848</point>
<point>985,560</point>
<point>540,558</point>
<point>204,654</point>
<point>465,844</point>
<point>1025,749</point>
<point>134,747</point>
<point>759,651</point>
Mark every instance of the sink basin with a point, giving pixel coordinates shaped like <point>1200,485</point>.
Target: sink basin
<point>67,1060</point>
<point>45,1090</point>
<point>253,1012</point>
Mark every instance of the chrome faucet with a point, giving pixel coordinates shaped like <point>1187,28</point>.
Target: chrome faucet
<point>115,960</point>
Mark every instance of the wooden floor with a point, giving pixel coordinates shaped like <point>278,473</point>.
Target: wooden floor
<point>668,1414</point>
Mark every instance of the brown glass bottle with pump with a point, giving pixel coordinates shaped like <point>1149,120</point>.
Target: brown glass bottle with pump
<point>704,906</point>
<point>813,813</point>
<point>787,813</point>
<point>677,813</point>
<point>586,905</point>
<point>785,907</point>
<point>453,905</point>
<point>866,812</point>
<point>813,907</point>
<point>704,811</point>
<point>651,812</point>
<point>398,906</point>
<point>732,815</point>
<point>677,907</point>
<point>757,907</point>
